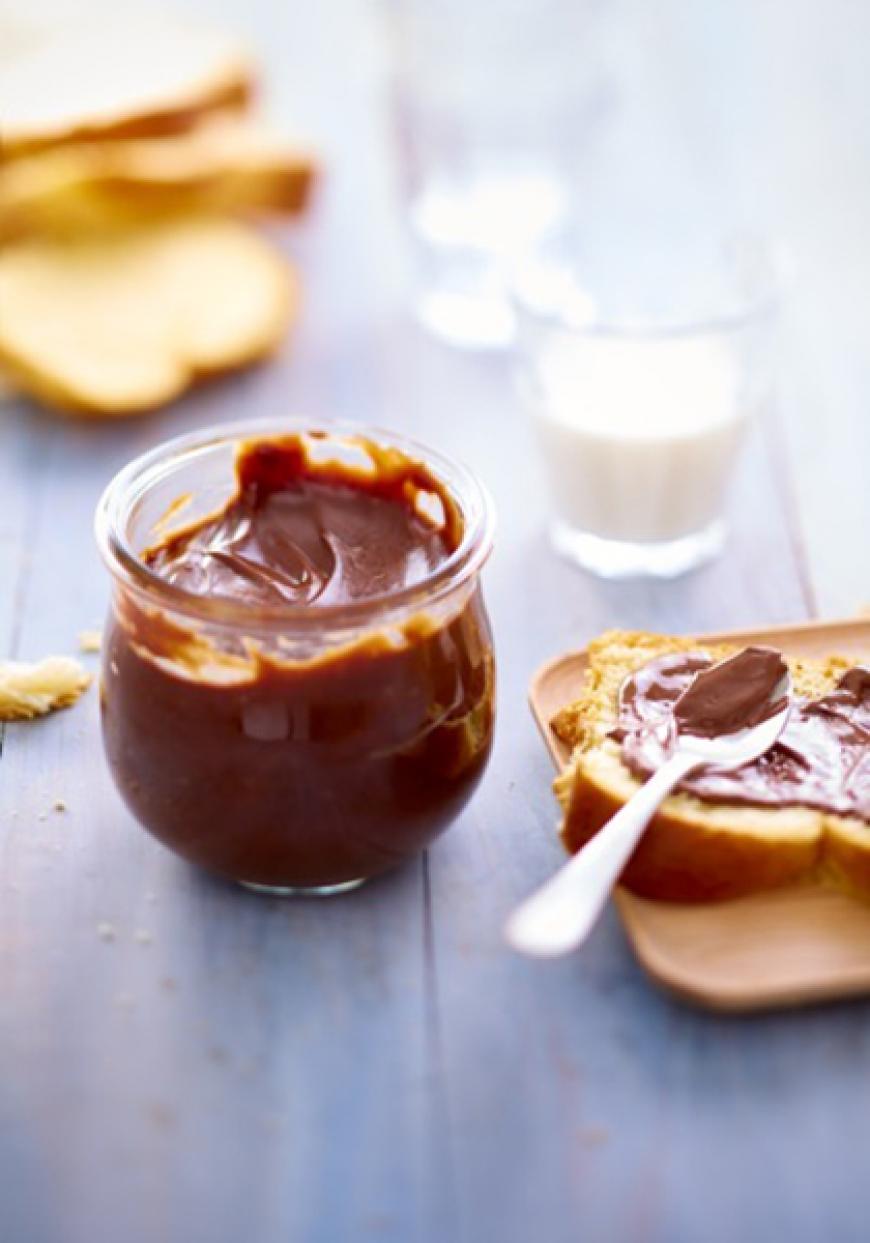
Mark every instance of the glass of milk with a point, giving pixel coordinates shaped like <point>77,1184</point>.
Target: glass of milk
<point>641,388</point>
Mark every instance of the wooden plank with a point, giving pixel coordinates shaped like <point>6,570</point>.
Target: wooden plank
<point>774,107</point>
<point>249,1066</point>
<point>815,122</point>
<point>205,1013</point>
<point>602,1112</point>
<point>553,1038</point>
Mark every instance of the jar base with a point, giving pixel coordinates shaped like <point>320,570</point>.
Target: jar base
<point>303,891</point>
<point>611,558</point>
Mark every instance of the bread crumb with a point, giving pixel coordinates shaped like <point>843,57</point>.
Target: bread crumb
<point>29,690</point>
<point>162,1115</point>
<point>593,1136</point>
<point>143,936</point>
<point>59,804</point>
<point>42,816</point>
<point>106,931</point>
<point>90,640</point>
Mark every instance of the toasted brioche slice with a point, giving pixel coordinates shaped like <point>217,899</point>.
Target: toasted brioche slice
<point>693,850</point>
<point>123,323</point>
<point>76,72</point>
<point>229,163</point>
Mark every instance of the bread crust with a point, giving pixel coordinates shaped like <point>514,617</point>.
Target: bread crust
<point>845,860</point>
<point>227,165</point>
<point>158,121</point>
<point>695,851</point>
<point>681,859</point>
<point>106,74</point>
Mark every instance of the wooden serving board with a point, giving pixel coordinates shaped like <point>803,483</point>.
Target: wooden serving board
<point>782,948</point>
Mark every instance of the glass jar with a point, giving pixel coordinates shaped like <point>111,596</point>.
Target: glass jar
<point>289,747</point>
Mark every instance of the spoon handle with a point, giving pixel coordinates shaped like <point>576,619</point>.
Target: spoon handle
<point>558,917</point>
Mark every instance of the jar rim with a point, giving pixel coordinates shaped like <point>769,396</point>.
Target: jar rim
<point>144,471</point>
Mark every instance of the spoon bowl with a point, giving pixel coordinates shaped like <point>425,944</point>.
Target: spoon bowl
<point>744,745</point>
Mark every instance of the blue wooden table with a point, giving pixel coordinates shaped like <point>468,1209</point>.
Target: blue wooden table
<point>182,1061</point>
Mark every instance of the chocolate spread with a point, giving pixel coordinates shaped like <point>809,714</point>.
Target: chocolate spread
<point>301,533</point>
<point>735,694</point>
<point>822,758</point>
<point>320,769</point>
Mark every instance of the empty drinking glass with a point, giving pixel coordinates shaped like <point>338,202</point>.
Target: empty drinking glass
<point>491,104</point>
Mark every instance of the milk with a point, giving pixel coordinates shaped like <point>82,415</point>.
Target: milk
<point>639,433</point>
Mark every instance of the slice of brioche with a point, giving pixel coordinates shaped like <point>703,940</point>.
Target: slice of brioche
<point>229,163</point>
<point>693,850</point>
<point>78,72</point>
<point>125,322</point>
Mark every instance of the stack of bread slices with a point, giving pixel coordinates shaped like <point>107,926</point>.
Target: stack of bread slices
<point>131,155</point>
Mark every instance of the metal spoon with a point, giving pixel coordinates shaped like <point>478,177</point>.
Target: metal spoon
<point>558,917</point>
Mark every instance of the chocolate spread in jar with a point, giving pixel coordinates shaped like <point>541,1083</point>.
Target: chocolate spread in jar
<point>323,769</point>
<point>298,532</point>
<point>822,758</point>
